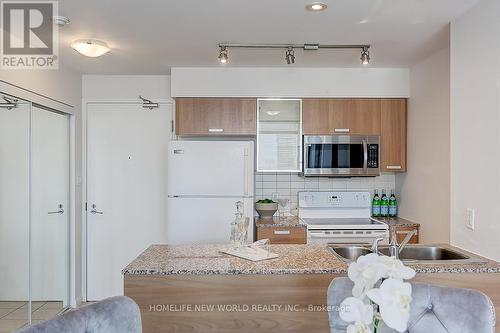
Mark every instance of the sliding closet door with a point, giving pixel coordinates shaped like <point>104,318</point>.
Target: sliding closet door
<point>14,215</point>
<point>49,211</point>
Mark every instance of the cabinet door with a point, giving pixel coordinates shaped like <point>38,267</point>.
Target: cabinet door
<point>215,116</point>
<point>341,116</point>
<point>279,138</point>
<point>393,140</point>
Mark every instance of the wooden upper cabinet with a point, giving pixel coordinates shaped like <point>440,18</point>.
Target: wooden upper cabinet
<point>341,116</point>
<point>393,136</point>
<point>215,116</point>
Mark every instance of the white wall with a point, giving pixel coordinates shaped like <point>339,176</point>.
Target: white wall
<point>125,87</point>
<point>475,124</point>
<point>63,85</point>
<point>425,189</point>
<point>290,82</point>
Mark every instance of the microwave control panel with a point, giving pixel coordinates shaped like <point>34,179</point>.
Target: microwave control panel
<point>373,156</point>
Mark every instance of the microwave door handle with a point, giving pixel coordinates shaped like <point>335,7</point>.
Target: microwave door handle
<point>365,155</point>
<point>305,163</point>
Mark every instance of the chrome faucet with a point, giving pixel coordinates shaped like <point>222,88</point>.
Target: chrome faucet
<point>395,248</point>
<point>375,245</point>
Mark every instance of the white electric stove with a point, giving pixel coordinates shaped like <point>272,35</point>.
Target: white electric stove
<point>340,217</point>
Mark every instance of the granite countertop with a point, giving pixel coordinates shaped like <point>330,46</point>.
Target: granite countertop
<point>294,259</point>
<point>399,221</point>
<point>288,221</point>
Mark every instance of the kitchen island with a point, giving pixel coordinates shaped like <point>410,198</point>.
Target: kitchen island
<point>199,289</point>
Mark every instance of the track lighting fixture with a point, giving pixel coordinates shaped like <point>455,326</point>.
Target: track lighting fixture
<point>223,55</point>
<point>365,56</point>
<point>290,56</point>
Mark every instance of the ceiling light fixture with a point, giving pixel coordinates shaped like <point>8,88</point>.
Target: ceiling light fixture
<point>290,56</point>
<point>316,6</point>
<point>365,56</point>
<point>90,47</point>
<point>223,58</point>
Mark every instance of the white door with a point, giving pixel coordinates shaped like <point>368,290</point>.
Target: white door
<point>126,189</point>
<point>14,202</point>
<point>49,205</point>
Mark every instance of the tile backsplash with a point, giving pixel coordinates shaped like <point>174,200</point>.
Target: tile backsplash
<point>288,185</point>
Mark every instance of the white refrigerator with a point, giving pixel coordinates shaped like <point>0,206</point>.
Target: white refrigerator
<point>205,179</point>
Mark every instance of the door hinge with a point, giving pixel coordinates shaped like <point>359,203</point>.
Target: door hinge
<point>172,126</point>
<point>85,206</point>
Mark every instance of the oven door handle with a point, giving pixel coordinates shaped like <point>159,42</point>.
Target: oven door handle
<point>365,155</point>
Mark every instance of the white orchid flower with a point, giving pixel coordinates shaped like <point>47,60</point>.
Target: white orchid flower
<point>353,310</point>
<point>358,328</point>
<point>393,298</point>
<point>365,272</point>
<point>396,269</point>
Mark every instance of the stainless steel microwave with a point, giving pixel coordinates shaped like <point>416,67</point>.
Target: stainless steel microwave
<point>342,155</point>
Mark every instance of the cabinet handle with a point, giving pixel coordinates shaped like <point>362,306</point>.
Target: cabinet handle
<point>393,167</point>
<point>282,232</point>
<point>406,232</point>
<point>216,130</point>
<point>342,130</point>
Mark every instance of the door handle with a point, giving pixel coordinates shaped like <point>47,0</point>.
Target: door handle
<point>60,211</point>
<point>365,154</point>
<point>95,211</point>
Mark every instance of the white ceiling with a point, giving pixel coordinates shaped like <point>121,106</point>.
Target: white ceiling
<point>151,36</point>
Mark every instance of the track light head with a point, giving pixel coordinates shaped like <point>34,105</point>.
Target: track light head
<point>365,56</point>
<point>290,55</point>
<point>223,58</point>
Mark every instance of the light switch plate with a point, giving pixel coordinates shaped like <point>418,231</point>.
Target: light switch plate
<point>470,218</point>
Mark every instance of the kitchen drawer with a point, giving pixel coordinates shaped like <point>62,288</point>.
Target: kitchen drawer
<point>283,235</point>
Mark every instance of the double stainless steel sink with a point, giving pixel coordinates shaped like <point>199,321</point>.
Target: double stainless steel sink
<point>410,253</point>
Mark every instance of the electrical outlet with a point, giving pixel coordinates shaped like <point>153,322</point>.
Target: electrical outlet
<point>469,218</point>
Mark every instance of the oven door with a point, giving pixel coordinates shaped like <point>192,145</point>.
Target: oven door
<point>341,155</point>
<point>339,236</point>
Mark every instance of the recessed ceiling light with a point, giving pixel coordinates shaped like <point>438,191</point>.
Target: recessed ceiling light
<point>90,47</point>
<point>316,6</point>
